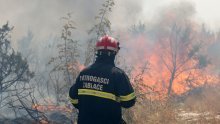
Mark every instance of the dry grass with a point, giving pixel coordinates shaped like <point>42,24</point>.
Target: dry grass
<point>151,112</point>
<point>200,107</point>
<point>206,99</point>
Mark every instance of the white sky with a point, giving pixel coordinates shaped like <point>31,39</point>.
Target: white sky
<point>207,11</point>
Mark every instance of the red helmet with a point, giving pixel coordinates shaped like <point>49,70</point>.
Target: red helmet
<point>107,43</point>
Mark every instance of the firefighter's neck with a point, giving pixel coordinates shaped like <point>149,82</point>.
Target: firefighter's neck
<point>105,59</point>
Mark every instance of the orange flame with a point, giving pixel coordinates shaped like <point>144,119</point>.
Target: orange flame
<point>158,75</point>
<point>49,108</point>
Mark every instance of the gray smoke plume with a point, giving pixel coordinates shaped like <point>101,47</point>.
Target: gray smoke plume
<point>38,27</point>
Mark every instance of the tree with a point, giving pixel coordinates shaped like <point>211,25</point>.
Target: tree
<point>138,29</point>
<point>65,65</point>
<point>179,53</point>
<point>14,70</point>
<point>24,45</point>
<point>102,27</point>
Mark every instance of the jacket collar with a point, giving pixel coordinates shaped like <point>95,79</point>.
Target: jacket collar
<point>105,60</point>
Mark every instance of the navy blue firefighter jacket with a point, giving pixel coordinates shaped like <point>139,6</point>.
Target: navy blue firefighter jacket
<point>99,93</point>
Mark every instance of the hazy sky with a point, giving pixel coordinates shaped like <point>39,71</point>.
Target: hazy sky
<point>42,17</point>
<point>208,11</point>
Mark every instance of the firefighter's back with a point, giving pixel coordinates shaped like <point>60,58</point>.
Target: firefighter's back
<point>98,104</point>
<point>102,89</point>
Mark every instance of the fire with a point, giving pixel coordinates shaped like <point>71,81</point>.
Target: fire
<point>75,66</point>
<point>158,75</point>
<point>50,108</point>
<point>187,74</point>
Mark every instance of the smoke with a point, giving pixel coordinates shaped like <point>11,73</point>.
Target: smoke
<point>43,17</point>
<point>142,43</point>
<point>137,25</point>
<point>140,40</point>
<point>126,13</point>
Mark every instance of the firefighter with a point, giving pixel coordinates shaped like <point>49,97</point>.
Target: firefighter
<point>102,89</point>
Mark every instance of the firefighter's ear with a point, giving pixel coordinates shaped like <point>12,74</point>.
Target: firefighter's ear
<point>118,46</point>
